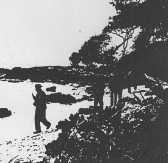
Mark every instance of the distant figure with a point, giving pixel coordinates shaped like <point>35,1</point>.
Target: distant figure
<point>98,91</point>
<point>132,81</point>
<point>116,89</point>
<point>40,113</point>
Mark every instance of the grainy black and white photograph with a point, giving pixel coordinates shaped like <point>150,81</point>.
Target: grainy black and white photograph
<point>83,81</point>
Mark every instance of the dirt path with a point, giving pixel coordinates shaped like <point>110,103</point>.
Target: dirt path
<point>31,147</point>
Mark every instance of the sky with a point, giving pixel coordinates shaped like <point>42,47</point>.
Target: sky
<point>46,32</point>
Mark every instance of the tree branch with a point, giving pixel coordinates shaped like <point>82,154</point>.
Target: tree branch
<point>129,34</point>
<point>117,34</point>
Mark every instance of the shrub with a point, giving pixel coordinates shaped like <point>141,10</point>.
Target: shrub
<point>115,135</point>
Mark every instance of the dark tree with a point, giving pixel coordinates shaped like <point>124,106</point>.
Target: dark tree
<point>75,59</point>
<point>149,48</point>
<point>92,52</point>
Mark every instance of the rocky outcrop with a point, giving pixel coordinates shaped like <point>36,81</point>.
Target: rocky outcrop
<point>61,98</point>
<point>51,89</point>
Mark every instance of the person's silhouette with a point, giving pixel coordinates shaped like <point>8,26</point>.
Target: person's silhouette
<point>40,113</point>
<point>98,94</point>
<point>115,86</point>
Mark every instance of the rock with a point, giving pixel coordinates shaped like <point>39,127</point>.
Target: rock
<point>83,98</point>
<point>51,89</point>
<point>87,111</point>
<point>61,98</point>
<point>4,112</point>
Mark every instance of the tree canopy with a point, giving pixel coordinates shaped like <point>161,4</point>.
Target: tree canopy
<point>150,45</point>
<point>145,24</point>
<point>92,52</point>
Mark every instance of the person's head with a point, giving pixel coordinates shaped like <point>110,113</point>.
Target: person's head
<point>38,87</point>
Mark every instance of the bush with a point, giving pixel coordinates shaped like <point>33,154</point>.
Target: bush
<point>115,135</point>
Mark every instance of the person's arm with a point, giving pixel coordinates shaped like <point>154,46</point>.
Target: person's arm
<point>35,100</point>
<point>38,98</point>
<point>34,97</point>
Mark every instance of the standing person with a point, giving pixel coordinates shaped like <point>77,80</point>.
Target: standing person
<point>115,86</point>
<point>40,113</point>
<point>98,94</point>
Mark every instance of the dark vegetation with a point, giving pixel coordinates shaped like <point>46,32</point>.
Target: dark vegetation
<point>134,130</point>
<point>131,132</point>
<point>148,53</point>
<point>55,74</point>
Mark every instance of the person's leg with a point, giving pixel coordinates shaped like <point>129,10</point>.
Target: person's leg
<point>43,118</point>
<point>119,94</point>
<point>37,120</point>
<point>95,102</point>
<point>135,87</point>
<point>115,99</point>
<point>101,103</point>
<point>112,102</point>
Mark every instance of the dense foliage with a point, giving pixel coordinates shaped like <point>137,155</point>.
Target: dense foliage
<point>150,17</point>
<point>115,135</point>
<point>92,51</point>
<point>134,128</point>
<point>141,23</point>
